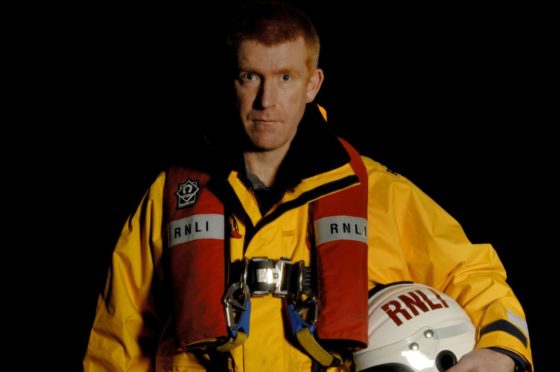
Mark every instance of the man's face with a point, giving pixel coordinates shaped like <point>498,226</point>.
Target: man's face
<point>273,85</point>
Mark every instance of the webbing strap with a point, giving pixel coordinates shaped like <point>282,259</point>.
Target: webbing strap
<point>310,344</point>
<point>304,334</point>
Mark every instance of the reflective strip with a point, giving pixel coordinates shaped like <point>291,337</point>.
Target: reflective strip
<point>518,321</point>
<point>328,229</point>
<point>198,226</point>
<point>455,330</point>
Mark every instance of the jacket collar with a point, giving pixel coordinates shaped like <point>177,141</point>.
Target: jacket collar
<point>313,151</point>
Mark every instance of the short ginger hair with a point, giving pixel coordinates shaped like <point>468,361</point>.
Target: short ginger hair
<point>272,23</point>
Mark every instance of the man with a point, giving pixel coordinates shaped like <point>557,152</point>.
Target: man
<point>260,260</point>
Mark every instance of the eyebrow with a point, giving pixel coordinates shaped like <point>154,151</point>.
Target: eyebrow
<point>281,71</point>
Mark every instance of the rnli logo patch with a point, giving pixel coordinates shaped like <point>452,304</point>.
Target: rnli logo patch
<point>187,193</point>
<point>328,229</point>
<point>198,226</point>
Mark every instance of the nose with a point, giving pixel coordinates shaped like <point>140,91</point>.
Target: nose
<point>267,94</point>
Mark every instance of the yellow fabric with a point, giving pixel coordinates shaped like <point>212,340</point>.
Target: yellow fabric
<point>410,238</point>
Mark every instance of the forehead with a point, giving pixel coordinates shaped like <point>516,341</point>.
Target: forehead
<point>253,54</point>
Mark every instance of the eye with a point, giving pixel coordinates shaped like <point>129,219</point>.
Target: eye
<point>248,76</point>
<point>286,77</point>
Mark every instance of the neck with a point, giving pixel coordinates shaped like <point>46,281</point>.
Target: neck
<point>265,164</point>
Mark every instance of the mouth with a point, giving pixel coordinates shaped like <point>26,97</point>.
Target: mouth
<point>264,121</point>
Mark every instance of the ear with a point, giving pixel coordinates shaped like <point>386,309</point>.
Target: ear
<point>314,84</point>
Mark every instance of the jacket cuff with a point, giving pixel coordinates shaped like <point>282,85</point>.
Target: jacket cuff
<point>508,339</point>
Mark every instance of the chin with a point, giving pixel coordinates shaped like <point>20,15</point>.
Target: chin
<point>265,144</point>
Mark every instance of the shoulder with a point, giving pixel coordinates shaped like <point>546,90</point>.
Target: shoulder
<point>376,170</point>
<point>388,184</point>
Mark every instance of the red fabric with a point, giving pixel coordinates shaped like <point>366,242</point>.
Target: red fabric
<point>197,267</point>
<point>342,266</point>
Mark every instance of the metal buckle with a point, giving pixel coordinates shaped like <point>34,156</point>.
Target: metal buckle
<point>235,303</point>
<point>270,277</point>
<point>235,300</point>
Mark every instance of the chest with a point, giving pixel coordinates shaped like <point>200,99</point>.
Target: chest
<point>286,236</point>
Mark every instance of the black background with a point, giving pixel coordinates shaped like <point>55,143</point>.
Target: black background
<point>452,98</point>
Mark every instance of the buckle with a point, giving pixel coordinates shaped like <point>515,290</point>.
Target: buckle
<point>266,276</point>
<point>236,301</point>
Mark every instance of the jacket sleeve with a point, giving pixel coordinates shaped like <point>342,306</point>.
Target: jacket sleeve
<point>124,331</point>
<point>416,240</point>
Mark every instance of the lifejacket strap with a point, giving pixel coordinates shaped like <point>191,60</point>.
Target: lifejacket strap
<point>303,332</point>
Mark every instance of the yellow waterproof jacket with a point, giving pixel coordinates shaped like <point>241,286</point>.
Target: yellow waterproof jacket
<point>410,238</point>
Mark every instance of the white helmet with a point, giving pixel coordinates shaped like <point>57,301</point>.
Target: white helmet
<point>413,327</point>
